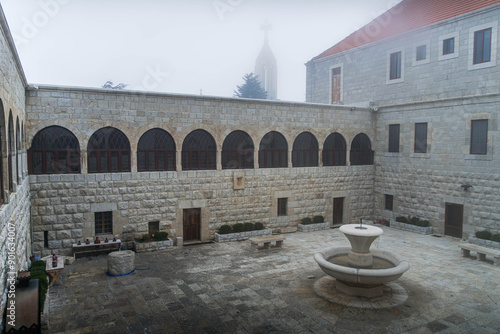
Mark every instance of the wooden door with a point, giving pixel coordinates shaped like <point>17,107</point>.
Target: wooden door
<point>453,220</point>
<point>338,210</point>
<point>336,85</point>
<point>192,224</point>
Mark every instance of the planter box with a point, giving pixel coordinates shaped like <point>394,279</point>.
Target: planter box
<point>313,227</point>
<point>152,246</point>
<point>484,243</point>
<point>242,235</point>
<point>411,228</point>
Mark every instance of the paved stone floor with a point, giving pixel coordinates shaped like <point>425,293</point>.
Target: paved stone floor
<point>230,288</point>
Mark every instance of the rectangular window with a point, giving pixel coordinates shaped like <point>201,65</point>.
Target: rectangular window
<point>395,66</point>
<point>153,227</point>
<point>482,46</point>
<point>282,203</point>
<point>389,202</point>
<point>449,46</point>
<point>420,138</point>
<point>103,222</point>
<point>394,138</point>
<point>421,52</point>
<point>479,136</point>
<point>45,239</point>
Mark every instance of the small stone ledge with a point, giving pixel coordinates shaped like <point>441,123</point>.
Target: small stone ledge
<point>153,245</point>
<point>411,228</point>
<point>242,235</point>
<point>485,243</point>
<point>313,227</point>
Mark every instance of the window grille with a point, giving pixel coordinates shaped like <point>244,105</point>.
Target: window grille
<point>108,151</point>
<point>199,151</point>
<point>273,151</point>
<point>238,151</point>
<point>361,152</point>
<point>156,151</point>
<point>305,151</point>
<point>334,150</point>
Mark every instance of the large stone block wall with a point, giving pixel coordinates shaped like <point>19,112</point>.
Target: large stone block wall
<point>15,241</point>
<point>365,68</point>
<point>65,204</point>
<point>422,183</point>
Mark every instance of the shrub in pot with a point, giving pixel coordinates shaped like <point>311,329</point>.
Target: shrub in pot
<point>259,226</point>
<point>238,227</point>
<point>160,236</point>
<point>306,221</point>
<point>318,219</point>
<point>248,227</point>
<point>496,237</point>
<point>225,229</point>
<point>486,235</point>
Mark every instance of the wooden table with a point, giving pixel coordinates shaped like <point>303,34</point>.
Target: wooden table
<point>55,271</point>
<point>93,248</point>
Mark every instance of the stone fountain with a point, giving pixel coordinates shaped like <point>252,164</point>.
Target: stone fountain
<point>358,270</point>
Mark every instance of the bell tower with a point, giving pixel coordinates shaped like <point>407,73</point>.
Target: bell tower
<point>266,68</point>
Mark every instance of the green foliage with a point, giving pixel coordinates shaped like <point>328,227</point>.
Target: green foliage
<point>496,237</point>
<point>423,223</point>
<point>39,263</point>
<point>109,85</point>
<point>306,221</point>
<point>486,235</point>
<point>318,219</point>
<point>144,238</point>
<point>238,227</point>
<point>259,226</point>
<point>225,229</point>
<point>251,88</point>
<point>160,236</point>
<point>402,219</point>
<point>248,227</point>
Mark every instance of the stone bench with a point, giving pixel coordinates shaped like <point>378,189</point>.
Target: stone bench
<point>265,242</point>
<point>95,249</point>
<point>481,252</point>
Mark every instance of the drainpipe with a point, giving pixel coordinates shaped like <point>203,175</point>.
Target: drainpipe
<point>31,217</point>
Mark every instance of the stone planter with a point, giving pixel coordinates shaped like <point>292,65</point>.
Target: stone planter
<point>313,227</point>
<point>242,235</point>
<point>484,243</point>
<point>152,245</point>
<point>411,228</point>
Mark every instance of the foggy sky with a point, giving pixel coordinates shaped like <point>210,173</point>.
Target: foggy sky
<point>178,46</point>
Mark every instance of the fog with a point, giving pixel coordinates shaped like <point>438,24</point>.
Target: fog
<point>178,46</point>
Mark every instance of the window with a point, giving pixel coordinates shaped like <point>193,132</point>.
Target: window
<point>420,138</point>
<point>104,222</point>
<point>282,203</point>
<point>2,142</point>
<point>448,46</point>
<point>336,88</point>
<point>54,150</point>
<point>199,151</point>
<point>305,151</point>
<point>395,65</point>
<point>153,227</point>
<point>334,150</point>
<point>238,151</point>
<point>361,150</point>
<point>273,151</point>
<point>482,46</point>
<point>394,137</point>
<point>156,151</point>
<point>479,136</point>
<point>18,153</point>
<point>45,239</point>
<point>421,52</point>
<point>11,153</point>
<point>108,151</point>
<point>389,202</point>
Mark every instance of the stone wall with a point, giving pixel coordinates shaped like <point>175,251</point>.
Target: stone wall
<point>15,243</point>
<point>422,183</point>
<point>365,69</point>
<point>65,204</point>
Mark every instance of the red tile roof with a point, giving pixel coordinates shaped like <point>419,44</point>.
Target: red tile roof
<point>406,16</point>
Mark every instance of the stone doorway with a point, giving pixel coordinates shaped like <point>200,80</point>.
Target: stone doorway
<point>338,210</point>
<point>453,221</point>
<point>192,225</point>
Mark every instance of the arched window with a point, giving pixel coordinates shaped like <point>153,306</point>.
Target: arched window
<point>2,143</point>
<point>237,151</point>
<point>199,151</point>
<point>334,150</point>
<point>273,151</point>
<point>361,150</point>
<point>18,152</point>
<point>305,150</point>
<point>54,150</point>
<point>108,151</point>
<point>12,150</point>
<point>156,151</point>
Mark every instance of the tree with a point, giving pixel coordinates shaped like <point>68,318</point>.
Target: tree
<point>109,85</point>
<point>251,89</point>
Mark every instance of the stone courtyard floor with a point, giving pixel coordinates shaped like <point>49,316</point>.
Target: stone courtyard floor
<point>230,288</point>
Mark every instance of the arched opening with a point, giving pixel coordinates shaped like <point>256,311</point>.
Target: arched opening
<point>238,151</point>
<point>361,150</point>
<point>108,151</point>
<point>156,151</point>
<point>273,151</point>
<point>334,150</point>
<point>305,151</point>
<point>199,151</point>
<point>12,150</point>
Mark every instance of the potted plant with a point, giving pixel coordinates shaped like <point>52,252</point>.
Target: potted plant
<point>156,241</point>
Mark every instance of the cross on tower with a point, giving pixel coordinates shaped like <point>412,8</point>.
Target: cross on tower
<point>266,27</point>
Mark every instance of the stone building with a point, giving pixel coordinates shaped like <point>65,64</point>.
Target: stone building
<point>266,67</point>
<point>401,119</point>
<point>429,71</point>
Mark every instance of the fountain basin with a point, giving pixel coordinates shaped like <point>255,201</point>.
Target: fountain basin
<point>360,281</point>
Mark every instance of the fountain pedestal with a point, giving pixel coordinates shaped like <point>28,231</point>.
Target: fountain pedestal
<point>361,238</point>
